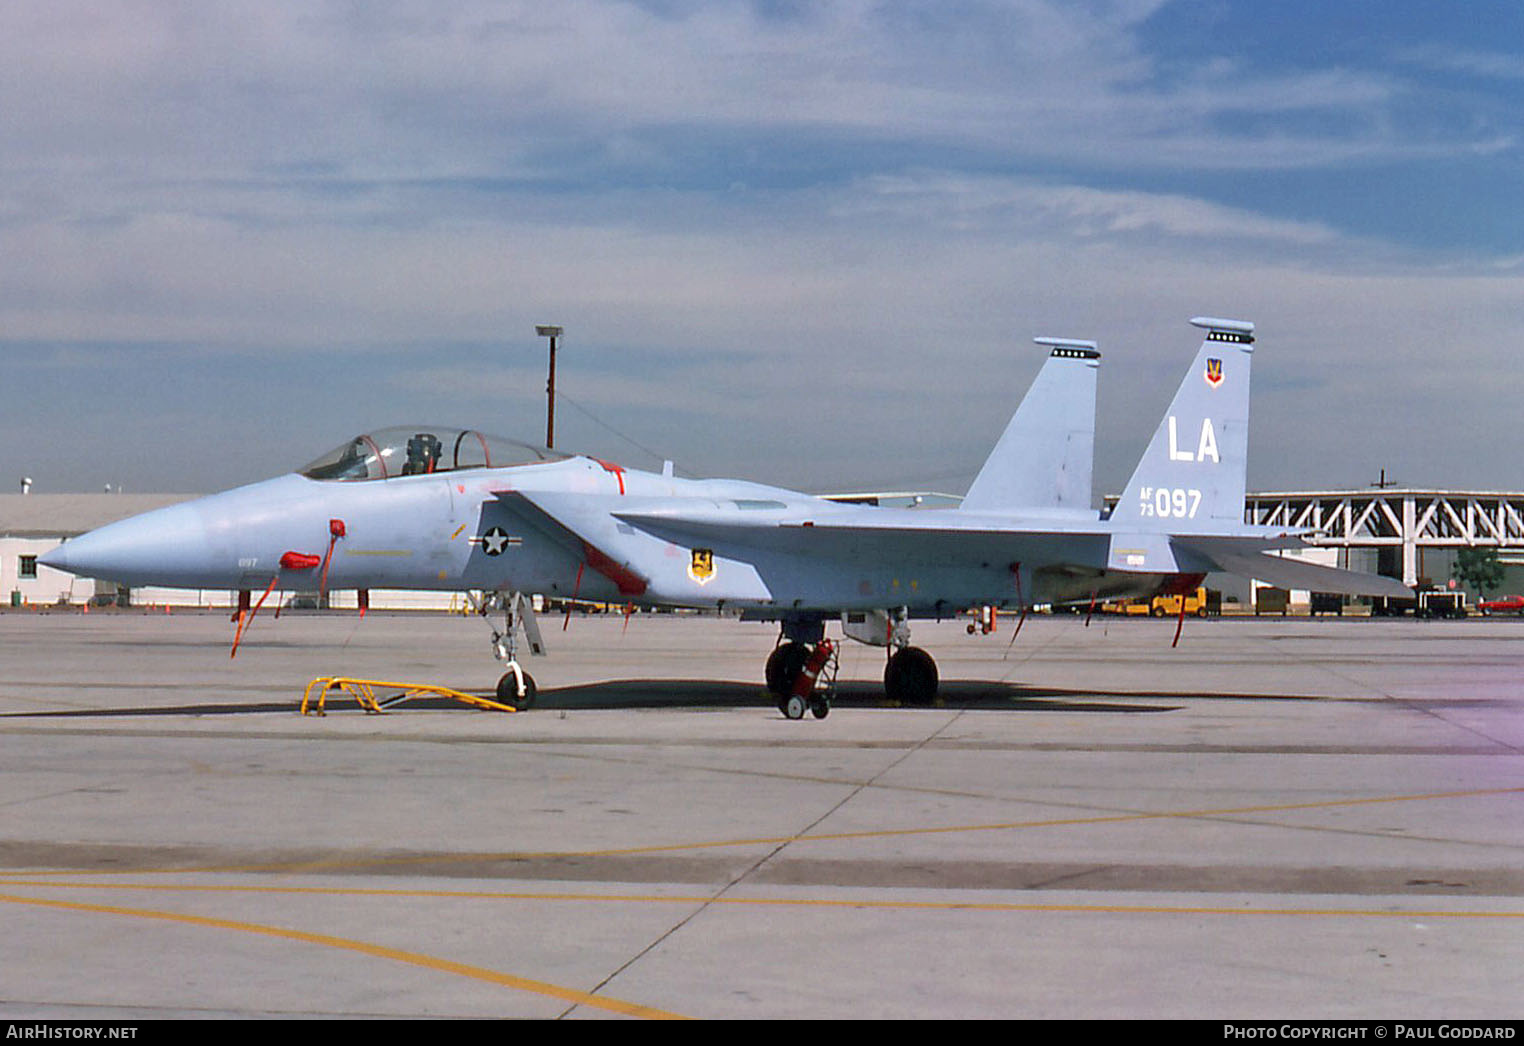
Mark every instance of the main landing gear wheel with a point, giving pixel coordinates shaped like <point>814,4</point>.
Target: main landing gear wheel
<point>802,677</point>
<point>910,678</point>
<point>508,691</point>
<point>783,667</point>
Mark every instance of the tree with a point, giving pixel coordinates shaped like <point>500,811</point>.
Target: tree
<point>1478,567</point>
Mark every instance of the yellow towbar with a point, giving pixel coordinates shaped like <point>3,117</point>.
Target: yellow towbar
<point>364,692</point>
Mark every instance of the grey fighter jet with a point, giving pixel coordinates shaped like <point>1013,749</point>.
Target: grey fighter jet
<point>425,507</point>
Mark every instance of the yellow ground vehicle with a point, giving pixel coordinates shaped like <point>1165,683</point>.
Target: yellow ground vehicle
<point>1162,606</point>
<point>1169,606</point>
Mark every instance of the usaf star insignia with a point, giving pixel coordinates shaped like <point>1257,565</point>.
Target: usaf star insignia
<point>495,540</point>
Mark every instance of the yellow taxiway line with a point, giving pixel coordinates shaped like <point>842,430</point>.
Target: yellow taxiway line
<point>1385,912</point>
<point>507,980</point>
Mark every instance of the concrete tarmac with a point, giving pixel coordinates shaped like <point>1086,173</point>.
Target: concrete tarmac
<point>1279,819</point>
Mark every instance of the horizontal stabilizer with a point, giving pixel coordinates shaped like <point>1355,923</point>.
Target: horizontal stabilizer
<point>1294,573</point>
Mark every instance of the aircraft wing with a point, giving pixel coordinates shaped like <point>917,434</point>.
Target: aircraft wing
<point>579,531</point>
<point>915,538</point>
<point>911,537</point>
<point>902,536</point>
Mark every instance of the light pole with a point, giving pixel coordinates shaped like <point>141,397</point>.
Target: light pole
<point>546,331</point>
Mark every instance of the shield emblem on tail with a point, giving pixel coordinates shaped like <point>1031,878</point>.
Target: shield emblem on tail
<point>1213,372</point>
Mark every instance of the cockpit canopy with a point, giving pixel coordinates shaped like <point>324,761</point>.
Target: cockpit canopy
<point>417,450</point>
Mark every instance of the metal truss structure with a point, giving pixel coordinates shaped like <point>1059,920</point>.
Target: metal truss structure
<point>1406,520</point>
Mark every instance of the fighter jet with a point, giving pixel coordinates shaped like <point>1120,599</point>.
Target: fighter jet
<point>422,507</point>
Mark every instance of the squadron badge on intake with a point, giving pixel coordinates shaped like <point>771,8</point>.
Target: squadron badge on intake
<point>701,566</point>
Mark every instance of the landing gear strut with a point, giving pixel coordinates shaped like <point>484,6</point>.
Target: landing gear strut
<point>516,687</point>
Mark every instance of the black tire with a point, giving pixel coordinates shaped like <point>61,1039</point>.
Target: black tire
<point>783,667</point>
<point>910,678</point>
<point>508,691</point>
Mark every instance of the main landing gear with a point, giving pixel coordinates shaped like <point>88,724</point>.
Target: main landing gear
<point>803,677</point>
<point>804,657</point>
<point>910,677</point>
<point>516,687</point>
<point>801,670</point>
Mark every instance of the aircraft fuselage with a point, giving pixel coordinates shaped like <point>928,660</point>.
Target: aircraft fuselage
<point>478,529</point>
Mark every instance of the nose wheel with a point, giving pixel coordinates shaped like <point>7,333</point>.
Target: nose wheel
<point>516,689</point>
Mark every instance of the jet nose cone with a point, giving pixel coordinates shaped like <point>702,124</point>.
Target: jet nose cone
<point>159,547</point>
<point>57,558</point>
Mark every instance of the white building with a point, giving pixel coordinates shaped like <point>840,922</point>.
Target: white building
<point>31,524</point>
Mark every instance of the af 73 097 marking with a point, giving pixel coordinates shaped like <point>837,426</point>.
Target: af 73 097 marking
<point>1166,502</point>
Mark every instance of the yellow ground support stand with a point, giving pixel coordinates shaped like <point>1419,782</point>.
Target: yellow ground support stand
<point>364,692</point>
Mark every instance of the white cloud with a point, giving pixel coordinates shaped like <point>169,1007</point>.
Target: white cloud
<point>142,96</point>
<point>1008,205</point>
<point>262,180</point>
<point>1500,65</point>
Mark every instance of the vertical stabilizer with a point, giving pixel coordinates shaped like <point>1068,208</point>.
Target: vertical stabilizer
<point>1192,476</point>
<point>1045,457</point>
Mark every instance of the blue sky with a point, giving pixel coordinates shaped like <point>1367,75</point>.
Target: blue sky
<point>805,243</point>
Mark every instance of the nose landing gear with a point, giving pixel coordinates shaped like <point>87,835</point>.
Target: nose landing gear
<point>516,688</point>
